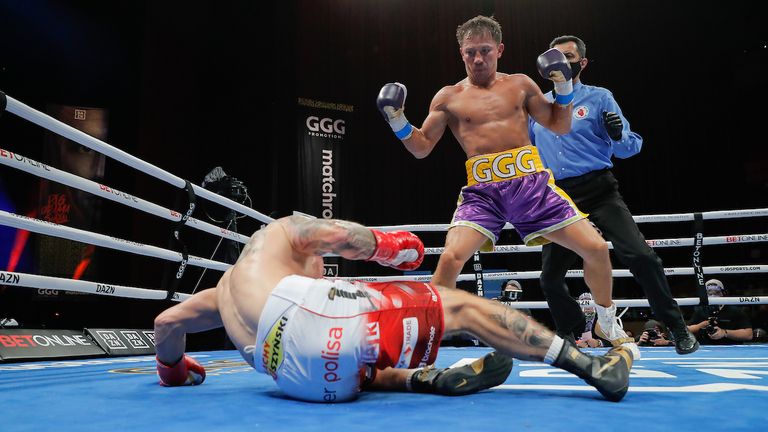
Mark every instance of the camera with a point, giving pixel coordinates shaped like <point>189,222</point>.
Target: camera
<point>652,335</point>
<point>713,321</point>
<point>217,181</point>
<point>711,327</point>
<point>229,187</point>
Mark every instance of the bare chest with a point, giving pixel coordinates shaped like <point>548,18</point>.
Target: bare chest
<point>480,106</point>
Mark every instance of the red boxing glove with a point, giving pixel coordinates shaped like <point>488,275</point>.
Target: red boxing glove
<point>402,250</point>
<point>186,371</point>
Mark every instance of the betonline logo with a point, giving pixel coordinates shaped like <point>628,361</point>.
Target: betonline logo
<point>327,185</point>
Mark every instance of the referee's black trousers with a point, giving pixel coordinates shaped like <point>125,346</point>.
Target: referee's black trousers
<point>597,193</point>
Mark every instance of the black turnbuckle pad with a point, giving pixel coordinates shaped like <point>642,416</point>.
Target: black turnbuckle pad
<point>176,239</point>
<point>3,103</point>
<point>698,270</point>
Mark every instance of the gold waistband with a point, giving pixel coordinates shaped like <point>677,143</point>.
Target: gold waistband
<point>504,165</point>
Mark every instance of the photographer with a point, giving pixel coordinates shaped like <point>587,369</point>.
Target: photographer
<point>588,339</point>
<point>512,292</point>
<point>654,335</point>
<point>720,324</point>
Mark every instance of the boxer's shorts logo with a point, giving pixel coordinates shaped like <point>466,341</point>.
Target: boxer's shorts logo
<point>372,339</point>
<point>503,166</point>
<point>272,351</point>
<point>430,344</point>
<point>410,337</point>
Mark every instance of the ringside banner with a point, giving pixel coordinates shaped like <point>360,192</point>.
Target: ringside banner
<point>23,344</point>
<point>122,342</point>
<point>322,129</point>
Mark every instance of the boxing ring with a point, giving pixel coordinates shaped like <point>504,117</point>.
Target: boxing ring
<point>717,387</point>
<point>667,392</point>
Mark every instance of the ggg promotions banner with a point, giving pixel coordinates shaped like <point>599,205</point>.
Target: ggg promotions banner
<point>322,128</point>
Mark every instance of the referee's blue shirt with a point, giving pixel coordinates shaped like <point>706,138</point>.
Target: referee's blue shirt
<point>586,147</point>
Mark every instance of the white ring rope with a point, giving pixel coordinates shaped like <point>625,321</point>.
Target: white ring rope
<point>39,169</point>
<point>674,271</point>
<point>53,125</point>
<point>680,217</point>
<point>678,242</point>
<point>685,301</point>
<point>42,227</point>
<point>56,230</point>
<point>49,282</point>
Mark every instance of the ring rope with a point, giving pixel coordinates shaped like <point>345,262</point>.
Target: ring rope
<point>81,286</point>
<point>49,228</point>
<point>56,230</point>
<point>15,107</point>
<point>66,131</point>
<point>660,243</point>
<point>680,217</point>
<point>673,271</point>
<point>684,301</point>
<point>39,169</point>
<point>49,282</point>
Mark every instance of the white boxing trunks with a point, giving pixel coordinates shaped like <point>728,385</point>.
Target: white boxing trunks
<point>320,338</point>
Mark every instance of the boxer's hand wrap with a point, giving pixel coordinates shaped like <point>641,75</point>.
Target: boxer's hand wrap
<point>391,103</point>
<point>553,65</point>
<point>402,250</point>
<point>613,125</point>
<point>187,371</point>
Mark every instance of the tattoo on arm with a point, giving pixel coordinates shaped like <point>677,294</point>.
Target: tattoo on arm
<point>253,246</point>
<point>348,239</point>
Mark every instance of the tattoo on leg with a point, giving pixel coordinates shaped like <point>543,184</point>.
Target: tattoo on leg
<point>529,332</point>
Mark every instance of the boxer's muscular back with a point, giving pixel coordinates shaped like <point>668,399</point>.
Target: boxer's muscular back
<point>243,290</point>
<point>488,119</point>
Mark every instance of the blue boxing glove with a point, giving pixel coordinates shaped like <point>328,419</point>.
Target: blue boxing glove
<point>391,103</point>
<point>553,65</point>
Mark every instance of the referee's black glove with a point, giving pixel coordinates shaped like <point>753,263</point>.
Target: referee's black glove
<point>613,125</point>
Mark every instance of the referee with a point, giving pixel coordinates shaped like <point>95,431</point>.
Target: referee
<point>581,163</point>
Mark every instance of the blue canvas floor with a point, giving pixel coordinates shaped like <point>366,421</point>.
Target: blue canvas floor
<point>714,389</point>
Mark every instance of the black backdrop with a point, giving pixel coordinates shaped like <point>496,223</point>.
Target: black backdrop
<point>193,85</point>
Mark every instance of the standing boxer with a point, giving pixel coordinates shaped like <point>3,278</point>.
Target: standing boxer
<point>488,113</point>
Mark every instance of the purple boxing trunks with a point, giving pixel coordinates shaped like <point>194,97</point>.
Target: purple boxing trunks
<point>513,186</point>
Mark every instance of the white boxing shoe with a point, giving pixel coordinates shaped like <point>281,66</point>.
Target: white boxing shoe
<point>609,328</point>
